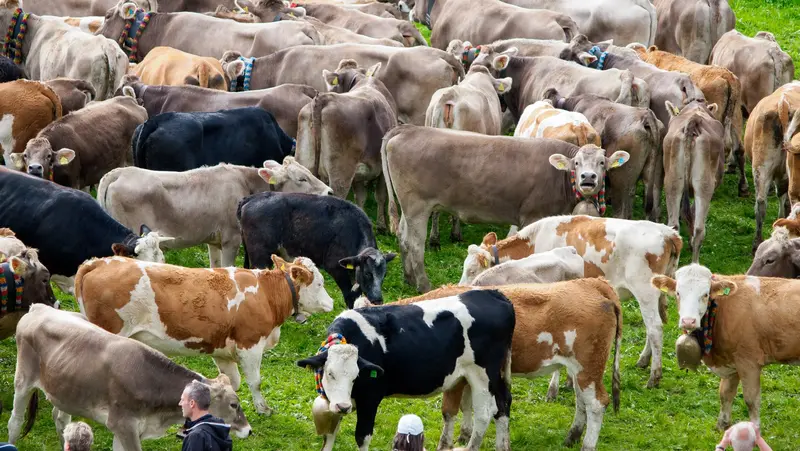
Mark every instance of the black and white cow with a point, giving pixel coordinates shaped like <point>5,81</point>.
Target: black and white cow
<point>183,141</point>
<point>67,226</point>
<point>334,233</point>
<point>416,351</point>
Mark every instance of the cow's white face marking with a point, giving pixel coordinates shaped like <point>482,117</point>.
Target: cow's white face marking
<point>545,337</point>
<point>6,138</point>
<point>313,298</point>
<point>472,265</point>
<point>692,288</point>
<point>754,283</point>
<point>367,329</point>
<point>147,247</point>
<point>569,339</point>
<point>338,376</point>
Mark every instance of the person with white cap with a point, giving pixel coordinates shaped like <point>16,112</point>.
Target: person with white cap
<point>409,436</point>
<point>743,436</point>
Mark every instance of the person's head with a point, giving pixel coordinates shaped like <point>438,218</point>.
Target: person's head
<point>195,400</point>
<point>743,436</point>
<point>78,437</point>
<point>409,435</point>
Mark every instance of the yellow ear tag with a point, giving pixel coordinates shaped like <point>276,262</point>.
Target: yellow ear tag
<point>664,289</point>
<point>2,257</point>
<point>335,81</point>
<point>18,163</point>
<point>676,111</point>
<point>501,87</point>
<point>283,267</point>
<point>272,180</point>
<point>349,266</point>
<point>561,165</point>
<point>63,160</point>
<point>724,292</point>
<point>485,263</point>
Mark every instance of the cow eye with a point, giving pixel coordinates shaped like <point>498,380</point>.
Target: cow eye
<point>769,261</point>
<point>234,406</point>
<point>303,179</point>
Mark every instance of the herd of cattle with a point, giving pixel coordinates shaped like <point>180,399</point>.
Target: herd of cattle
<point>248,122</point>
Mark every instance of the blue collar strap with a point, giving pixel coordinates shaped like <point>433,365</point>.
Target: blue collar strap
<point>601,58</point>
<point>248,71</point>
<point>10,282</point>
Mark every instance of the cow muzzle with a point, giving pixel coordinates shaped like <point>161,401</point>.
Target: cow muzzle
<point>343,407</point>
<point>36,170</point>
<point>688,324</point>
<point>244,433</point>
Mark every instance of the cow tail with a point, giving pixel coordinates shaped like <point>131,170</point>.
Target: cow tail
<point>85,268</point>
<point>316,129</point>
<point>455,64</point>
<point>246,263</point>
<point>675,244</point>
<point>615,378</point>
<point>393,214</point>
<point>568,26</point>
<point>30,415</point>
<point>625,88</point>
<point>102,188</point>
<point>55,101</point>
<point>777,67</point>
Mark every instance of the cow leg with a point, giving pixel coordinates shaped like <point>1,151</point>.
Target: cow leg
<point>365,422</point>
<point>61,420</point>
<point>250,361</point>
<point>648,298</point>
<point>229,251</point>
<point>230,369</point>
<point>215,255</point>
<point>501,386</point>
<point>433,240</point>
<point>360,193</point>
<point>466,416</point>
<point>701,204</point>
<point>126,441</point>
<point>579,422</point>
<point>653,178</point>
<point>413,227</point>
<point>381,198</point>
<point>552,389</point>
<point>451,400</point>
<point>727,392</point>
<point>645,355</point>
<point>782,190</point>
<point>455,232</point>
<point>751,390</point>
<point>483,409</point>
<point>22,396</point>
<point>762,178</point>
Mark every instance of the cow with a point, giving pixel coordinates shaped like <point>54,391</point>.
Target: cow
<point>742,323</point>
<point>377,8</point>
<point>691,28</point>
<point>74,94</point>
<point>168,66</point>
<point>49,48</point>
<point>42,214</point>
<point>416,351</point>
<point>759,62</point>
<point>210,36</point>
<point>636,130</point>
<point>84,8</point>
<point>184,301</point>
<point>334,233</point>
<point>9,71</point>
<point>337,35</point>
<point>78,367</point>
<point>719,86</point>
<point>576,50</point>
<point>486,21</point>
<point>422,170</point>
<point>184,205</point>
<point>362,23</point>
<point>264,10</point>
<point>623,21</point>
<point>779,256</point>
<point>771,141</point>
<point>284,101</point>
<point>26,107</point>
<point>543,120</point>
<point>534,75</point>
<point>80,148</point>
<point>411,75</point>
<point>694,155</point>
<point>559,264</point>
<point>473,105</point>
<point>627,253</point>
<point>87,24</point>
<point>339,133</point>
<point>182,141</point>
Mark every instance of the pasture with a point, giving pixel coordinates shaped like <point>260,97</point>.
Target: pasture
<point>679,415</point>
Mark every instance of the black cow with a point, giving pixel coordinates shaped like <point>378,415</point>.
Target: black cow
<point>417,350</point>
<point>9,71</point>
<point>334,233</point>
<point>67,226</point>
<point>183,141</point>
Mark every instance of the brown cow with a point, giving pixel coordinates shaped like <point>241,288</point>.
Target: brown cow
<point>691,28</point>
<point>232,314</point>
<point>73,93</point>
<point>694,154</point>
<point>742,324</point>
<point>401,31</point>
<point>759,62</point>
<point>26,107</point>
<point>339,133</point>
<point>770,140</point>
<point>720,86</point>
<point>78,149</point>
<point>168,66</point>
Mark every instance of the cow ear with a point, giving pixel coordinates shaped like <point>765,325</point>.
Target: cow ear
<point>672,109</point>
<point>389,257</point>
<point>313,363</point>
<point>18,160</point>
<point>301,274</point>
<point>500,62</point>
<point>664,283</point>
<point>350,262</point>
<point>511,51</point>
<point>128,91</point>
<point>279,262</point>
<point>490,239</point>
<point>331,79</point>
<point>64,156</point>
<point>617,159</point>
<point>371,370</point>
<point>269,174</point>
<point>723,288</point>
<point>229,56</point>
<point>560,162</point>
<point>586,58</point>
<point>17,265</point>
<point>128,11</point>
<point>234,69</point>
<point>713,108</point>
<point>502,85</point>
<point>121,250</point>
<point>222,379</point>
<point>373,71</point>
<point>144,230</point>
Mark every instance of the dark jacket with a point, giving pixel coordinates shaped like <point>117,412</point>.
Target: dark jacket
<point>207,433</point>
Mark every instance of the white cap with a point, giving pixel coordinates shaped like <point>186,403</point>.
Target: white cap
<point>410,425</point>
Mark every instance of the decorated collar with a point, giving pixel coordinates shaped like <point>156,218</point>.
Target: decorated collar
<point>601,57</point>
<point>333,339</point>
<point>705,335</point>
<point>598,199</point>
<point>248,71</point>
<point>17,285</point>
<point>134,26</point>
<point>15,36</point>
<point>469,55</point>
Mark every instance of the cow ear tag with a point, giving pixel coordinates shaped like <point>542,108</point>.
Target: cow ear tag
<point>335,81</point>
<point>373,374</point>
<point>725,291</point>
<point>350,266</point>
<point>561,165</point>
<point>501,87</point>
<point>664,289</point>
<point>485,263</point>
<point>272,181</point>
<point>283,267</point>
<point>63,160</point>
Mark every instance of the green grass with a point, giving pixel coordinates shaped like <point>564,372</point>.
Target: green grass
<point>679,415</point>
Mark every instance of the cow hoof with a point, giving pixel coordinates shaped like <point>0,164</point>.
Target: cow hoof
<point>643,362</point>
<point>573,436</point>
<point>434,245</point>
<point>588,448</point>
<point>744,192</point>
<point>723,425</point>
<point>653,381</point>
<point>266,411</point>
<point>731,169</point>
<point>551,395</point>
<point>464,437</point>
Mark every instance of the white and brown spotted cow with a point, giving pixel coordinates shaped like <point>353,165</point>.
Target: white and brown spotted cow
<point>543,120</point>
<point>26,107</point>
<point>231,314</point>
<point>627,253</point>
<point>745,323</point>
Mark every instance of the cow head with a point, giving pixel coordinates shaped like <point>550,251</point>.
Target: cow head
<point>478,260</point>
<point>115,17</point>
<point>7,8</point>
<point>292,177</point>
<point>311,294</point>
<point>225,404</point>
<point>36,278</point>
<point>340,366</point>
<point>779,256</point>
<point>579,50</point>
<point>370,270</point>
<point>691,287</point>
<point>146,247</point>
<point>39,159</point>
<point>501,85</point>
<point>699,106</point>
<point>270,10</point>
<point>589,165</point>
<point>348,76</point>
<point>495,61</point>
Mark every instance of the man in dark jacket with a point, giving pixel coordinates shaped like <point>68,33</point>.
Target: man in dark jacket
<point>202,431</point>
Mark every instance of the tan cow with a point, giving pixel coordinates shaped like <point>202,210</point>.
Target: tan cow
<point>232,314</point>
<point>770,142</point>
<point>759,62</point>
<point>87,24</point>
<point>627,253</point>
<point>52,49</point>
<point>168,66</point>
<point>719,86</point>
<point>743,324</point>
<point>691,28</point>
<point>694,155</point>
<point>339,133</point>
<point>26,107</point>
<point>401,31</point>
<point>74,94</point>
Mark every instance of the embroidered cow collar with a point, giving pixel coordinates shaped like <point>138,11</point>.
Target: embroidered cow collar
<point>601,58</point>
<point>134,26</point>
<point>15,36</point>
<point>469,55</point>
<point>705,335</point>
<point>599,199</point>
<point>13,283</point>
<point>248,71</point>
<point>333,339</point>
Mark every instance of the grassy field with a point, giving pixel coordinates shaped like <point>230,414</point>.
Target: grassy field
<point>679,415</point>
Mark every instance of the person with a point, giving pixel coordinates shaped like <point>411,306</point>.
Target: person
<point>77,437</point>
<point>409,436</point>
<point>202,431</point>
<point>743,436</point>
<point>7,447</point>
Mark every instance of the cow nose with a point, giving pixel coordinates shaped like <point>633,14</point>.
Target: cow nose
<point>35,169</point>
<point>688,323</point>
<point>343,407</point>
<point>588,176</point>
<point>330,192</point>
